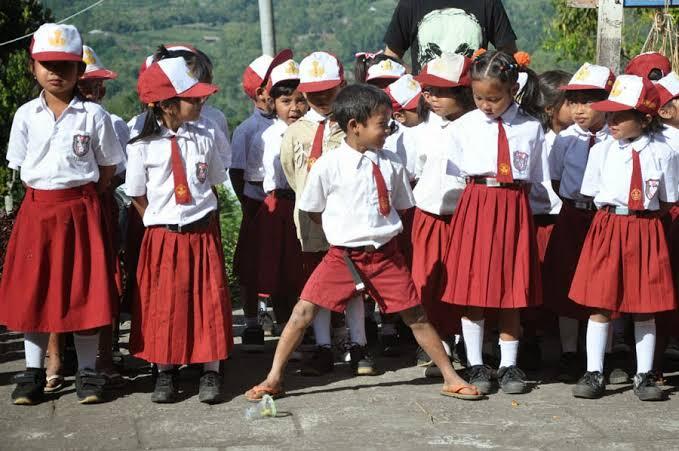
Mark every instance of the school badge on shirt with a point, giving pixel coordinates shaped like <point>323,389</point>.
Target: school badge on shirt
<point>81,145</point>
<point>520,161</point>
<point>652,187</point>
<point>201,172</point>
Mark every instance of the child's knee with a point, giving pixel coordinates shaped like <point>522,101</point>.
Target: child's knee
<point>302,315</point>
<point>413,317</point>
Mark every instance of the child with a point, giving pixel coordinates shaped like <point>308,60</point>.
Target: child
<point>182,313</point>
<point>280,253</point>
<point>356,191</point>
<point>57,277</point>
<point>651,65</point>
<point>247,174</point>
<point>494,263</point>
<point>377,69</point>
<point>314,134</point>
<point>624,266</point>
<point>568,159</point>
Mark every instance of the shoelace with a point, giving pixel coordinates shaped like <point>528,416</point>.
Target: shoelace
<point>591,378</point>
<point>480,370</point>
<point>210,380</point>
<point>514,372</point>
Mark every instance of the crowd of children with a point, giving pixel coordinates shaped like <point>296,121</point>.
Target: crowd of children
<point>472,198</point>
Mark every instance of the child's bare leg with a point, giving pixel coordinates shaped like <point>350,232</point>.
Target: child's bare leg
<point>54,348</point>
<point>429,340</point>
<point>302,316</point>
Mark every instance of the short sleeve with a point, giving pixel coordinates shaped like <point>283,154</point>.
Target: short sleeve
<point>288,158</point>
<point>402,196</point>
<point>107,150</point>
<point>315,192</point>
<point>399,31</point>
<point>135,177</point>
<point>223,147</point>
<point>499,29</point>
<point>591,180</point>
<point>18,141</point>
<point>238,147</point>
<point>539,160</point>
<point>216,168</point>
<point>669,185</point>
<point>556,157</point>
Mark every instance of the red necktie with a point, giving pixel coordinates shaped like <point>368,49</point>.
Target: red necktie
<point>504,167</point>
<point>317,146</point>
<point>382,192</point>
<point>636,192</point>
<point>181,186</point>
<point>592,141</point>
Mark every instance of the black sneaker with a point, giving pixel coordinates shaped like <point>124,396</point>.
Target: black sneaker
<point>391,345</point>
<point>590,386</point>
<point>308,341</point>
<point>512,380</point>
<point>371,331</point>
<point>30,387</point>
<point>89,386</point>
<point>165,391</point>
<point>646,389</point>
<point>530,354</point>
<point>481,377</point>
<point>459,353</point>
<point>423,358</point>
<point>252,339</point>
<point>569,368</point>
<point>321,362</point>
<point>362,363</point>
<point>210,388</point>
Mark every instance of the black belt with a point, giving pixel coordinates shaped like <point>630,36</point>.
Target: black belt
<point>283,194</point>
<point>196,226</point>
<point>492,182</point>
<point>624,211</point>
<point>580,204</point>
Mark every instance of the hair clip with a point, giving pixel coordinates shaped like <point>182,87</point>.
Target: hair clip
<point>478,53</point>
<point>523,59</point>
<point>368,55</point>
<point>508,67</point>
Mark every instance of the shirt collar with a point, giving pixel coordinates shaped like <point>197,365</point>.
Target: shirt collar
<point>76,103</point>
<point>182,132</point>
<point>354,157</point>
<point>601,134</point>
<point>314,116</point>
<point>509,116</point>
<point>638,144</point>
<point>280,126</point>
<point>437,121</point>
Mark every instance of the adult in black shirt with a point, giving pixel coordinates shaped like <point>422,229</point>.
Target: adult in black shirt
<point>430,27</point>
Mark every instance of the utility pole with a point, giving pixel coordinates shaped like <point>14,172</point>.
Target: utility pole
<point>267,28</point>
<point>609,34</point>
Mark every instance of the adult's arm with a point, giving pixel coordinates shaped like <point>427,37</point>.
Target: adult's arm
<point>398,36</point>
<point>500,31</point>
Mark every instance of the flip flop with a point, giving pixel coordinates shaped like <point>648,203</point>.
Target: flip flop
<point>55,383</point>
<point>454,392</point>
<point>256,393</point>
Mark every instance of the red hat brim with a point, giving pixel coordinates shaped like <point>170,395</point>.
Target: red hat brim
<point>56,56</point>
<point>100,74</point>
<point>582,88</point>
<point>610,106</point>
<point>279,59</point>
<point>199,90</point>
<point>318,86</point>
<point>432,80</point>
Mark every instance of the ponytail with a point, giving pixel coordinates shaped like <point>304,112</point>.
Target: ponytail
<point>365,60</point>
<point>153,119</point>
<point>530,98</point>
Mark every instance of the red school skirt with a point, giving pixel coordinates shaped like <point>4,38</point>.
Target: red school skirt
<point>181,312</point>
<point>383,271</point>
<point>57,276</point>
<point>493,258</point>
<point>246,254</point>
<point>625,266</point>
<point>280,253</point>
<point>430,236</point>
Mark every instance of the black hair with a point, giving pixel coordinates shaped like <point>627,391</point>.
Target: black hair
<point>359,102</point>
<point>284,88</point>
<point>655,74</point>
<point>550,94</point>
<point>154,115</point>
<point>364,62</point>
<point>655,126</point>
<point>503,67</point>
<point>586,95</point>
<point>198,62</point>
<point>423,109</point>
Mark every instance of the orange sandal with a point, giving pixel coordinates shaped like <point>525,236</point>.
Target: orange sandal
<point>455,392</point>
<point>256,393</point>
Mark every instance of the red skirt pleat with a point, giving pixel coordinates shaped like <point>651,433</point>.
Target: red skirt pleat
<point>182,311</point>
<point>246,254</point>
<point>57,276</point>
<point>624,266</point>
<point>493,258</point>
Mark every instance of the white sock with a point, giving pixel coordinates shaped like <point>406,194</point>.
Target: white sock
<point>446,347</point>
<point>644,334</point>
<point>87,347</point>
<point>321,326</point>
<point>597,335</point>
<point>472,331</point>
<point>162,367</point>
<point>508,352</point>
<point>568,331</point>
<point>355,314</point>
<point>35,347</point>
<point>251,321</point>
<point>211,366</point>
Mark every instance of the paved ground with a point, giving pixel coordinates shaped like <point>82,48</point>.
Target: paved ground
<point>399,409</point>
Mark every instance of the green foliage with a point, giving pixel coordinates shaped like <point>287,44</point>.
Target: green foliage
<point>229,221</point>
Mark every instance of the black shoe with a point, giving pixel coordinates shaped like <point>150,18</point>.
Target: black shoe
<point>481,377</point>
<point>618,363</point>
<point>512,380</point>
<point>252,339</point>
<point>391,345</point>
<point>590,386</point>
<point>371,331</point>
<point>423,358</point>
<point>210,388</point>
<point>362,363</point>
<point>308,342</point>
<point>459,352</point>
<point>321,362</point>
<point>30,387</point>
<point>530,354</point>
<point>646,389</point>
<point>569,367</point>
<point>165,391</point>
<point>89,385</point>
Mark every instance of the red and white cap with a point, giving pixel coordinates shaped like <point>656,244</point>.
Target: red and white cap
<point>385,69</point>
<point>168,78</point>
<point>668,88</point>
<point>631,92</point>
<point>253,76</point>
<point>95,69</point>
<point>591,76</point>
<point>288,71</point>
<point>404,93</point>
<point>446,71</point>
<point>643,64</point>
<point>170,47</point>
<point>320,71</point>
<point>57,42</point>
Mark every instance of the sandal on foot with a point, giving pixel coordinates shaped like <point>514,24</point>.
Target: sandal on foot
<point>256,393</point>
<point>455,391</point>
<point>55,383</point>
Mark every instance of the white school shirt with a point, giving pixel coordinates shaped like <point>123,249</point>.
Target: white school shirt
<point>568,158</point>
<point>218,118</point>
<point>274,177</point>
<point>123,135</point>
<point>440,185</point>
<point>476,151</point>
<point>248,151</point>
<point>543,200</point>
<point>402,143</point>
<point>149,172</point>
<point>609,172</point>
<point>341,186</point>
<point>670,135</point>
<point>61,153</point>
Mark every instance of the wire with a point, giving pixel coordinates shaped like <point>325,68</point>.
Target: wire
<point>61,21</point>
